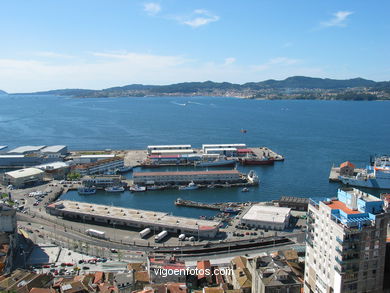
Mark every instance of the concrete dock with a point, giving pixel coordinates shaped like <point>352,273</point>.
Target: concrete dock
<point>134,158</point>
<point>335,173</point>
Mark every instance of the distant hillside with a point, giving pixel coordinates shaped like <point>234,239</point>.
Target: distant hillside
<point>61,92</point>
<point>296,87</point>
<point>3,92</point>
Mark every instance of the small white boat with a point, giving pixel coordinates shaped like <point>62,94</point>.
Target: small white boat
<point>245,189</point>
<point>136,188</point>
<point>86,190</point>
<point>114,189</point>
<point>156,187</point>
<point>190,186</point>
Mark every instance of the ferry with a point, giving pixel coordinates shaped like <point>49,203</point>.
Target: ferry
<point>136,188</point>
<point>375,177</point>
<point>86,190</point>
<point>190,186</point>
<point>114,189</point>
<point>218,162</point>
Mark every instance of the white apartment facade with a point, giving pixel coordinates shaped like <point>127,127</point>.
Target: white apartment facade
<point>345,243</point>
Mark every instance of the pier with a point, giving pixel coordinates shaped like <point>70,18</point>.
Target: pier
<point>213,206</point>
<point>335,173</point>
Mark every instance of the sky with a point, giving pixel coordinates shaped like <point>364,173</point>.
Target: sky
<point>95,44</point>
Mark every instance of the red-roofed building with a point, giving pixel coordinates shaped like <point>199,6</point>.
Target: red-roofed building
<point>347,169</point>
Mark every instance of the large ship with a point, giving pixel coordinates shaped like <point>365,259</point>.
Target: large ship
<point>215,162</point>
<point>257,161</point>
<point>376,176</point>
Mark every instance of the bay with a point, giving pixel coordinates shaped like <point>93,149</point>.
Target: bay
<point>312,135</point>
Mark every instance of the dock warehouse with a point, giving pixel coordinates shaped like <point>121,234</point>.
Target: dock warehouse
<point>27,149</point>
<point>23,177</point>
<point>150,148</point>
<point>55,151</point>
<point>91,158</point>
<point>156,221</point>
<point>185,177</point>
<point>12,161</point>
<point>267,217</point>
<point>99,166</point>
<point>218,146</point>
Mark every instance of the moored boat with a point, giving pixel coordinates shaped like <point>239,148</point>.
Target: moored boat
<point>136,188</point>
<point>216,163</point>
<point>114,189</point>
<point>257,161</point>
<point>230,210</point>
<point>156,187</point>
<point>190,186</point>
<point>375,177</point>
<point>86,190</point>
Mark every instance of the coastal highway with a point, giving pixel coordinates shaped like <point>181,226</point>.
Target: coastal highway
<point>71,238</point>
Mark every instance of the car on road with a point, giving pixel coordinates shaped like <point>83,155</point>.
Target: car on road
<point>85,268</point>
<point>46,266</point>
<point>113,250</point>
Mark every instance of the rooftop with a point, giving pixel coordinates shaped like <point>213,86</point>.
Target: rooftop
<point>27,148</point>
<point>347,163</point>
<point>267,214</point>
<point>24,172</point>
<point>53,149</point>
<point>169,146</point>
<point>52,166</point>
<point>189,173</point>
<point>339,205</point>
<point>134,215</point>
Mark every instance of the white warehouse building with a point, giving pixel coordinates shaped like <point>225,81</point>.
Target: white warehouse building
<point>267,217</point>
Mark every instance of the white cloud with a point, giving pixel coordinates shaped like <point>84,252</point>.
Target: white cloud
<point>230,60</point>
<point>199,18</point>
<point>278,61</point>
<point>107,69</point>
<point>152,8</point>
<point>339,19</point>
<point>49,54</point>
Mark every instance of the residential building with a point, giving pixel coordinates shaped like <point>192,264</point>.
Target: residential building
<point>273,274</point>
<point>7,219</point>
<point>241,277</point>
<point>346,243</point>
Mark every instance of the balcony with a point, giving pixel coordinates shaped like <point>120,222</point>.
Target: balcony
<point>340,241</point>
<point>340,262</point>
<point>339,270</point>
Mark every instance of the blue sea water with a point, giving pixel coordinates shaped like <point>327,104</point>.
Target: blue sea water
<point>312,135</point>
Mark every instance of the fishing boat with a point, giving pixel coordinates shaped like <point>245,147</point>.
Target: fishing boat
<point>190,186</point>
<point>136,188</point>
<point>114,189</point>
<point>86,190</point>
